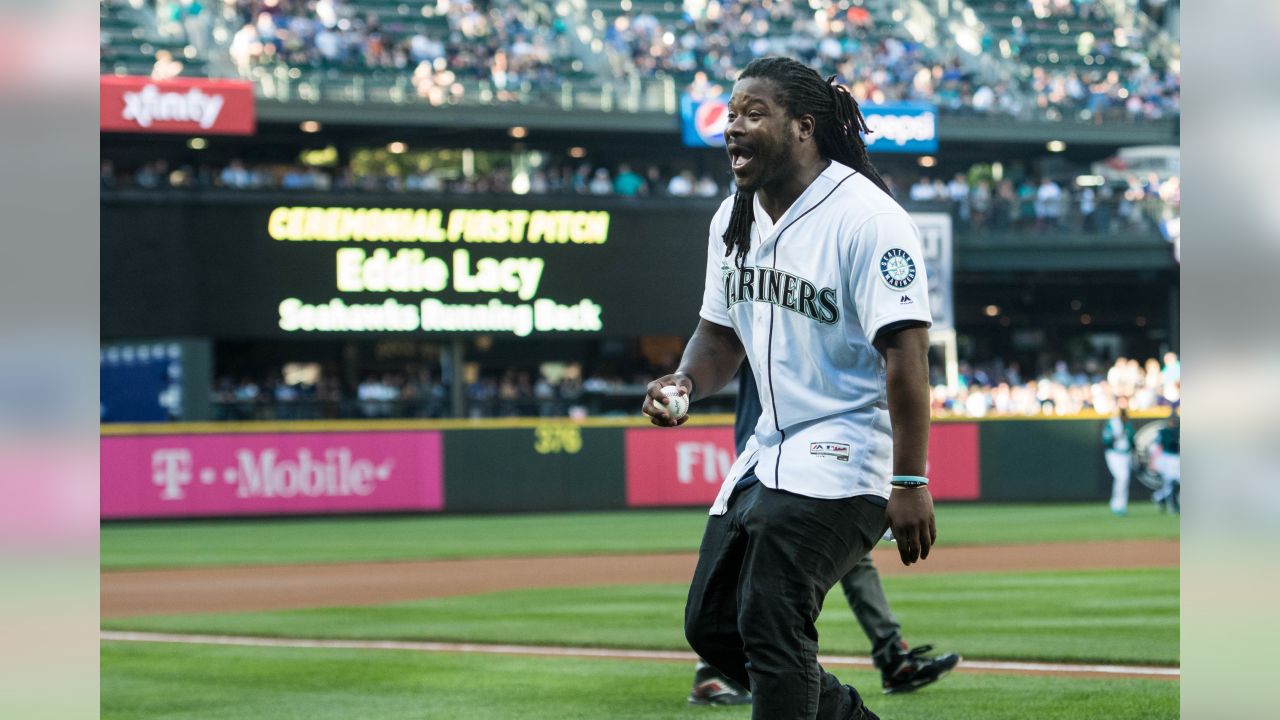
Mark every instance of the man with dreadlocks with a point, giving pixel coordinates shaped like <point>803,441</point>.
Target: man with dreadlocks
<point>814,273</point>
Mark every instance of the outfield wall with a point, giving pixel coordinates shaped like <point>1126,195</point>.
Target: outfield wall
<point>530,464</point>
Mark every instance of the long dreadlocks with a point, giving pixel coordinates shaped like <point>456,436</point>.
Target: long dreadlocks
<point>838,127</point>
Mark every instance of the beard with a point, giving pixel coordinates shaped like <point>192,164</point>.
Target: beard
<point>775,165</point>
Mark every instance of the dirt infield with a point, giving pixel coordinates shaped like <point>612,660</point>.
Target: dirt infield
<point>242,589</point>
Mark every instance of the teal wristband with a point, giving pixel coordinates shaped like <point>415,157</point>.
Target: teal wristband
<point>908,481</point>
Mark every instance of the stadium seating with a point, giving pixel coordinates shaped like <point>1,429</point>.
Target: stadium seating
<point>1021,54</point>
<point>130,41</point>
<point>1049,41</point>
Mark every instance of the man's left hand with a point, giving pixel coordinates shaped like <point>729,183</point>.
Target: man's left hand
<point>911,518</point>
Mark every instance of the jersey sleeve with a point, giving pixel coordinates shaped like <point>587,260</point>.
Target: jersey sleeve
<point>715,306</point>
<point>888,282</point>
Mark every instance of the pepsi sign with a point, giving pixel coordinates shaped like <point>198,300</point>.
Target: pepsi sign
<point>702,122</point>
<point>895,128</point>
<point>901,127</point>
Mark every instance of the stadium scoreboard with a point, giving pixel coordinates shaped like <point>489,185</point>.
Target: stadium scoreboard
<point>249,268</point>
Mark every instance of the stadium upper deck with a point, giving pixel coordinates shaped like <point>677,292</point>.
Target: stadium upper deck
<point>1093,61</point>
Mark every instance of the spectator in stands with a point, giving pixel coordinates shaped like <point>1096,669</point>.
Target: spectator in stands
<point>1088,209</point>
<point>1171,372</point>
<point>166,66</point>
<point>980,202</point>
<point>424,179</point>
<point>706,187</point>
<point>198,25</point>
<point>107,175</point>
<point>600,183</point>
<point>653,178</point>
<point>1004,207</point>
<point>627,183</point>
<point>1156,10</point>
<point>1106,205</point>
<point>1048,204</point>
<point>702,88</point>
<point>958,194</point>
<point>169,19</point>
<point>923,191</point>
<point>245,49</point>
<point>681,185</point>
<point>235,175</point>
<point>984,99</point>
<point>150,175</point>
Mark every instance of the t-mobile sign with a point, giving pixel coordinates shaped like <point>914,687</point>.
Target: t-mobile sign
<point>270,473</point>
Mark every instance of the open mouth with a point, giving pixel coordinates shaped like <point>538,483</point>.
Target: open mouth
<point>739,157</point>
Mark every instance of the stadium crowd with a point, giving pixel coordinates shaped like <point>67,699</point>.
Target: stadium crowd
<point>1127,203</point>
<point>575,177</point>
<point>414,391</point>
<point>522,51</point>
<point>987,389</point>
<point>1130,202</point>
<point>511,44</point>
<point>1000,389</point>
<point>881,65</point>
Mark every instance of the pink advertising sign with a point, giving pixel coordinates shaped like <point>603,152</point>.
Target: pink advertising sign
<point>270,473</point>
<point>686,466</point>
<point>954,464</point>
<point>677,467</point>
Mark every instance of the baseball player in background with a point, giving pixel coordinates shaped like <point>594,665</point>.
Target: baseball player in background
<point>1166,460</point>
<point>902,668</point>
<point>1117,442</point>
<point>816,275</point>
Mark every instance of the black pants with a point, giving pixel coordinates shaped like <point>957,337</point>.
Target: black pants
<point>764,568</point>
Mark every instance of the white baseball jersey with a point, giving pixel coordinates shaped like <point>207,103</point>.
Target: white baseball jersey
<point>842,262</point>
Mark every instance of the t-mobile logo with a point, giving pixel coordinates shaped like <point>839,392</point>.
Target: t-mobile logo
<point>171,470</point>
<point>714,461</point>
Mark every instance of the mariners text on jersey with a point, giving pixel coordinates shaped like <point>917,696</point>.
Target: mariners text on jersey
<point>791,292</point>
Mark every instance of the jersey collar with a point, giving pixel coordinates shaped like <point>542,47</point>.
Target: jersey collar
<point>817,190</point>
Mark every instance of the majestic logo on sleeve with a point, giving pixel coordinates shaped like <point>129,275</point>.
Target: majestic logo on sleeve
<point>898,269</point>
<point>790,292</point>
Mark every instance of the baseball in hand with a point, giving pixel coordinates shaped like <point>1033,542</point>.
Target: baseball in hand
<point>677,403</point>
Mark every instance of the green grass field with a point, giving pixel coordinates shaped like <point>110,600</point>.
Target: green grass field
<point>231,683</point>
<point>1128,616</point>
<point>366,539</point>
<point>1106,616</point>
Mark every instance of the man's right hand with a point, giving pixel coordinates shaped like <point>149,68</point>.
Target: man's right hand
<point>654,406</point>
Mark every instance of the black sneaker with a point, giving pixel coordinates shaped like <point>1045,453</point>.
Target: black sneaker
<point>710,687</point>
<point>913,669</point>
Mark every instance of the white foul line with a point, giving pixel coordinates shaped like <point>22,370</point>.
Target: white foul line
<point>612,653</point>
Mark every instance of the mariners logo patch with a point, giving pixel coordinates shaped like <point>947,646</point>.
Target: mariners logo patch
<point>898,269</point>
<point>839,451</point>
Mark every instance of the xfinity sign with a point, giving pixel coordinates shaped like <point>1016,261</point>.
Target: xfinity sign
<point>149,104</point>
<point>183,106</point>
